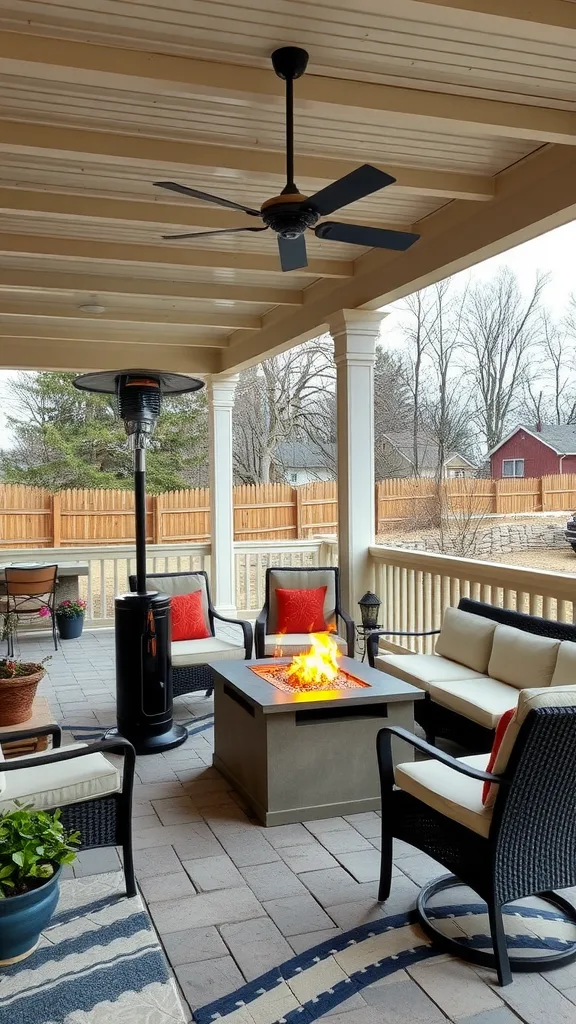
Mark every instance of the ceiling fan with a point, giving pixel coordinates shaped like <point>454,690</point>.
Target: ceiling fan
<point>290,214</point>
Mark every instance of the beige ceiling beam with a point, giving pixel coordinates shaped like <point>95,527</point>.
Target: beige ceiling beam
<point>185,213</point>
<point>167,255</point>
<point>135,317</point>
<point>535,196</point>
<point>132,70</point>
<point>101,285</point>
<point>556,14</point>
<point>107,334</point>
<point>63,143</point>
<point>39,354</point>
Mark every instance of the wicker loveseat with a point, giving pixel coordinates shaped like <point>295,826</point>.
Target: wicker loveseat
<point>190,658</point>
<point>484,656</point>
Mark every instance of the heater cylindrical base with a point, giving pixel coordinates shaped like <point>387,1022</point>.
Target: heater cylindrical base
<point>144,673</point>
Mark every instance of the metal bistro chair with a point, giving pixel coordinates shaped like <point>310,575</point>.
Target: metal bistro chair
<point>521,845</point>
<point>28,589</point>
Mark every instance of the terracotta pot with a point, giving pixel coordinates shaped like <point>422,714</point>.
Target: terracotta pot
<point>17,697</point>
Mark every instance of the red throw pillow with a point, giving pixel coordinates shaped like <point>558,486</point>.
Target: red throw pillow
<point>301,611</point>
<point>188,620</point>
<point>503,724</point>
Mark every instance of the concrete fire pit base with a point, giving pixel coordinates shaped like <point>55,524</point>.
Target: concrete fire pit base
<point>300,756</point>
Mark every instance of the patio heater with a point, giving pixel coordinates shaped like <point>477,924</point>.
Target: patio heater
<point>142,619</point>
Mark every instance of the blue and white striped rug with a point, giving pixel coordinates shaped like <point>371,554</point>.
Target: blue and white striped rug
<point>313,983</point>
<point>99,962</point>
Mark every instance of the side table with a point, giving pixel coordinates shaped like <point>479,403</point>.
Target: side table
<point>41,715</point>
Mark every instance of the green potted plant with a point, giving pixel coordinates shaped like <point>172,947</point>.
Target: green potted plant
<point>18,684</point>
<point>33,847</point>
<point>70,618</point>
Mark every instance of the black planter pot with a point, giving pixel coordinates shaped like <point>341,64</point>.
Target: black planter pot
<point>70,627</point>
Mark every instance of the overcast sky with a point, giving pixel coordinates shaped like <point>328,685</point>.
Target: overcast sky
<point>552,254</point>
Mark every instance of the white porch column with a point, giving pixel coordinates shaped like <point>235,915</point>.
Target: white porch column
<point>222,577</point>
<point>355,332</point>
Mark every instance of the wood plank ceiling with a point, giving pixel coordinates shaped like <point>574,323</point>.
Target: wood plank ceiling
<point>470,104</point>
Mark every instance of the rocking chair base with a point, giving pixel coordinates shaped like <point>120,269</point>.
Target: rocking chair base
<point>544,962</point>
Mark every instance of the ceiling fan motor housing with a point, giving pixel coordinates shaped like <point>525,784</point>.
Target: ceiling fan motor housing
<point>288,215</point>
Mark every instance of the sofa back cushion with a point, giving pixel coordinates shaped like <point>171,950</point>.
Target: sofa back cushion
<point>528,700</point>
<point>565,671</point>
<point>522,659</point>
<point>466,638</point>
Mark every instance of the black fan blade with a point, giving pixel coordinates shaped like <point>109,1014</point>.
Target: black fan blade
<point>357,234</point>
<point>173,186</point>
<point>220,231</point>
<point>292,252</point>
<point>356,185</point>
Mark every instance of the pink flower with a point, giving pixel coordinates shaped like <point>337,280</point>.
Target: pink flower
<point>44,612</point>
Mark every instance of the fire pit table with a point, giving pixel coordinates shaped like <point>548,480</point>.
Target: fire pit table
<point>297,753</point>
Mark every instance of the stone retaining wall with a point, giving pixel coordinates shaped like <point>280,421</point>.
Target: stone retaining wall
<point>493,540</point>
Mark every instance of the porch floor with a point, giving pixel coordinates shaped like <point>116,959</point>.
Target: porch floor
<point>250,897</point>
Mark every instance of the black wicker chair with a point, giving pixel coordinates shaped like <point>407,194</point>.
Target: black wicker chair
<point>531,845</point>
<point>313,577</point>
<point>102,821</point>
<point>192,678</point>
<point>442,723</point>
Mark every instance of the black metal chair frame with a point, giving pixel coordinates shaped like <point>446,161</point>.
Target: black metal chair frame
<point>192,678</point>
<point>13,602</point>
<point>103,821</point>
<point>261,621</point>
<point>440,722</point>
<point>530,849</point>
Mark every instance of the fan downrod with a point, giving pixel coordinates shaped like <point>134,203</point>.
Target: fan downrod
<point>289,62</point>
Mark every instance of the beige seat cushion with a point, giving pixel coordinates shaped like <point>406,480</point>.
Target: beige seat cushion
<point>466,638</point>
<point>67,782</point>
<point>200,652</point>
<point>446,791</point>
<point>423,669</point>
<point>522,659</point>
<point>565,671</point>
<point>483,700</point>
<point>295,643</point>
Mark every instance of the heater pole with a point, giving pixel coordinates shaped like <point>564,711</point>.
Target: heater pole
<point>140,510</point>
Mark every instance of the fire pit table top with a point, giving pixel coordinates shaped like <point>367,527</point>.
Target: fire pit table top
<point>373,686</point>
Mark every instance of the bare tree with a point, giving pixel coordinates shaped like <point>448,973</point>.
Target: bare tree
<point>286,398</point>
<point>422,310</point>
<point>500,327</point>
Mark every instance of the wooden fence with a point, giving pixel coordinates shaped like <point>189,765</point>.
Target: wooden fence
<point>31,517</point>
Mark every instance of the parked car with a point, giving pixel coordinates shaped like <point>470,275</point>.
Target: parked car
<point>570,532</point>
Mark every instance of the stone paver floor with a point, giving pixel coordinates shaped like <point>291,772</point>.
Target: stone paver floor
<point>231,900</point>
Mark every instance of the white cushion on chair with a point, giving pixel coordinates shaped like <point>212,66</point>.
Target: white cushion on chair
<point>565,671</point>
<point>466,638</point>
<point>424,669</point>
<point>445,790</point>
<point>66,782</point>
<point>483,700</point>
<point>199,652</point>
<point>287,644</point>
<point>522,659</point>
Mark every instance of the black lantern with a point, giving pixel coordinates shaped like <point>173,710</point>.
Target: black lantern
<point>369,607</point>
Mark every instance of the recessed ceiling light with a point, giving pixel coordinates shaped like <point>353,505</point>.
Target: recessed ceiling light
<point>92,307</point>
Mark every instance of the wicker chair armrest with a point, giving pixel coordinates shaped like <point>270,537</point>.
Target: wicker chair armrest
<point>260,632</point>
<point>246,630</point>
<point>372,641</point>
<point>52,730</point>
<point>349,629</point>
<point>438,755</point>
<point>118,745</point>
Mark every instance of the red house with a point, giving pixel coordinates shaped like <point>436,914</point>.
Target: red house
<point>535,451</point>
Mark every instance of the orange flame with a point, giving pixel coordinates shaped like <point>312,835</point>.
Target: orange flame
<point>319,665</point>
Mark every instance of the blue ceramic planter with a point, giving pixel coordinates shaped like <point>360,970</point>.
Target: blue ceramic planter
<point>70,627</point>
<point>22,919</point>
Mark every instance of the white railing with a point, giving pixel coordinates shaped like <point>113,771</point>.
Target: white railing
<point>415,588</point>
<point>109,568</point>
